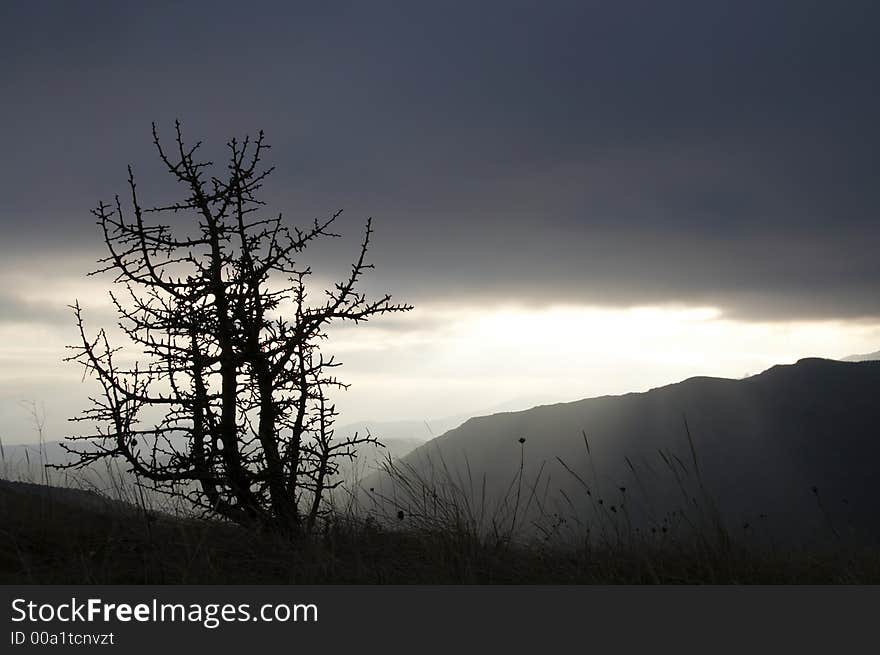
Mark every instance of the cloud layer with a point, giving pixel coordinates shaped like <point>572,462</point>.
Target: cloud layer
<point>707,153</point>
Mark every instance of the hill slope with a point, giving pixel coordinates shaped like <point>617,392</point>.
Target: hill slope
<point>762,444</point>
<point>868,357</point>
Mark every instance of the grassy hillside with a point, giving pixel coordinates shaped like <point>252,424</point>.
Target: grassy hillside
<point>53,537</point>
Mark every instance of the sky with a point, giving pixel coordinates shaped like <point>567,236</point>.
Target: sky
<point>579,198</point>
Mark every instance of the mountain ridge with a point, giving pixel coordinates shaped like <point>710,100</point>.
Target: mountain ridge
<point>764,443</point>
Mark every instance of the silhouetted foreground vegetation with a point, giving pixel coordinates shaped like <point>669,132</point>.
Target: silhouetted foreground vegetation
<point>247,423</point>
<point>51,539</point>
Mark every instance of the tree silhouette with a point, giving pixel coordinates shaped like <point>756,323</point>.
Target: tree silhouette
<point>229,366</point>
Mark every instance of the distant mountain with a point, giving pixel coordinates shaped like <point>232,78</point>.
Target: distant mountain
<point>25,462</point>
<point>869,357</point>
<point>411,431</point>
<point>791,451</point>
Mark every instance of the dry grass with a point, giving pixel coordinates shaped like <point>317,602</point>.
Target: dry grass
<point>450,535</point>
<point>439,528</point>
<point>49,541</point>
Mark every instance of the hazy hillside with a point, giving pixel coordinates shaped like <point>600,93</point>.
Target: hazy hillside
<point>27,461</point>
<point>762,443</point>
<point>868,357</point>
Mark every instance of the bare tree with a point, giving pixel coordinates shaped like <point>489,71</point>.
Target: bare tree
<point>228,364</point>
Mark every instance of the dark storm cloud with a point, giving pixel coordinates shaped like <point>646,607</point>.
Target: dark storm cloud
<point>619,153</point>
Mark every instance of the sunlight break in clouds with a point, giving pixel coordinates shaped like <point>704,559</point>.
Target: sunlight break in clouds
<point>443,360</point>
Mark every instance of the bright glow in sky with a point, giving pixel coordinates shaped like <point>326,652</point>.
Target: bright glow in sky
<point>441,360</point>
